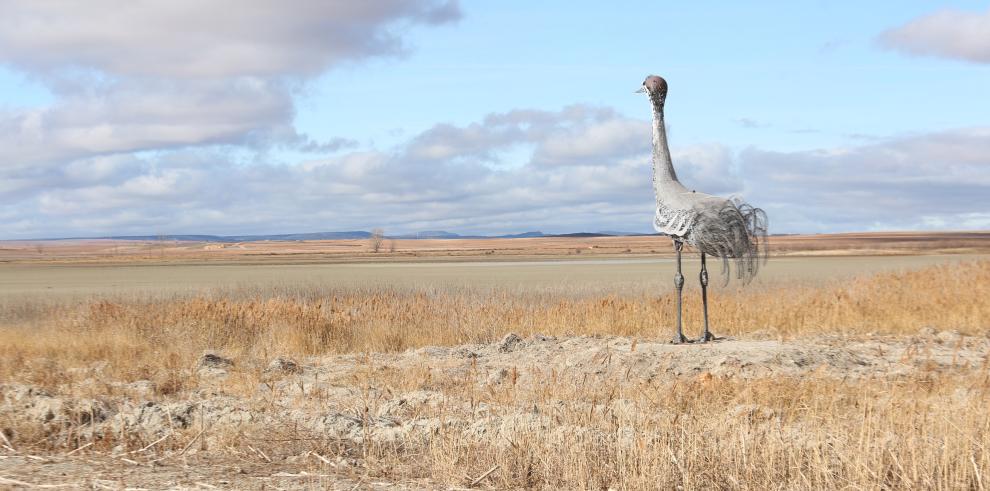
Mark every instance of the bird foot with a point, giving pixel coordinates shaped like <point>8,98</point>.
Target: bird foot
<point>706,337</point>
<point>680,339</point>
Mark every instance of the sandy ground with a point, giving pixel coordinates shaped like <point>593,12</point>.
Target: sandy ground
<point>342,399</point>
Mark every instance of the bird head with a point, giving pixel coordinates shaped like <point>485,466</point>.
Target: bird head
<point>655,87</point>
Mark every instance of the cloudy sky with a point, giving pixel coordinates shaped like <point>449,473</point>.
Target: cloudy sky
<point>230,117</point>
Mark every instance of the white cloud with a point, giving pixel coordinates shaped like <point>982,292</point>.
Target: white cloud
<point>577,173</point>
<point>207,40</point>
<point>897,183</point>
<point>749,123</point>
<point>155,116</point>
<point>406,188</point>
<point>162,75</point>
<point>946,33</point>
<point>614,137</point>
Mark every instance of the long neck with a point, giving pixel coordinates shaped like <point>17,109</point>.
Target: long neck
<point>663,168</point>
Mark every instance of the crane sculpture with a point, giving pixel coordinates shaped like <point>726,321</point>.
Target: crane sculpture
<point>725,228</point>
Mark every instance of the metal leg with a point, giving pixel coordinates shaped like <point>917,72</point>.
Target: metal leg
<point>703,276</point>
<point>679,284</point>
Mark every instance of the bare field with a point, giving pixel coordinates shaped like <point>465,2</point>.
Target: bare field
<point>47,282</point>
<point>863,372</point>
<point>322,251</point>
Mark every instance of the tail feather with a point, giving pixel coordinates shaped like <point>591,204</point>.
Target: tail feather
<point>737,231</point>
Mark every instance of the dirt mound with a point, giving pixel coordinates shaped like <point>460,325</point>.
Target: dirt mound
<point>626,357</point>
<point>513,360</point>
<point>345,398</point>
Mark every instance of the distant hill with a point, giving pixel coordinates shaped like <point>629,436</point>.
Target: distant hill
<point>523,235</point>
<point>352,234</point>
<point>356,234</point>
<point>625,234</point>
<point>441,234</point>
<point>584,234</point>
<point>429,234</point>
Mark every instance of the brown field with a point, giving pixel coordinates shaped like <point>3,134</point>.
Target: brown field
<point>101,251</point>
<point>841,370</point>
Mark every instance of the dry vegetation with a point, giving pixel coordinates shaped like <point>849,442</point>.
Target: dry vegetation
<point>375,249</point>
<point>542,421</point>
<point>314,321</point>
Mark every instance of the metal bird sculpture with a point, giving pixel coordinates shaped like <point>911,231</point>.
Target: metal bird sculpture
<point>725,228</point>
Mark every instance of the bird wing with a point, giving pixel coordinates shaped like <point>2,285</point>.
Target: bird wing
<point>673,221</point>
<point>678,209</point>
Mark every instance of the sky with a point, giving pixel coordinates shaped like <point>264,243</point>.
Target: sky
<point>229,117</point>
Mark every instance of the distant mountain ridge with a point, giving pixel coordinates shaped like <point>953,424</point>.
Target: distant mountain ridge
<point>354,234</point>
<point>351,234</point>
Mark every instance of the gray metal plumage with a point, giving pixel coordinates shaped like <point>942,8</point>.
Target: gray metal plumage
<point>720,227</point>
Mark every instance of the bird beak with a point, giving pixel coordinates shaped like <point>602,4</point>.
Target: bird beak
<point>640,91</point>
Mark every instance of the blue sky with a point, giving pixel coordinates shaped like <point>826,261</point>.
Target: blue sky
<point>486,117</point>
<point>790,66</point>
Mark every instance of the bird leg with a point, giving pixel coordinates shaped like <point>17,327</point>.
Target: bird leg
<point>679,284</point>
<point>703,276</point>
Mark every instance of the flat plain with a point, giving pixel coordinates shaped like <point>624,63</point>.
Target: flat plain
<point>854,361</point>
<point>84,268</point>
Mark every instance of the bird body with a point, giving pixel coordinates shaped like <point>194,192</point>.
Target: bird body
<point>721,227</point>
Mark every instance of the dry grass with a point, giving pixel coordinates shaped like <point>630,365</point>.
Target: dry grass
<point>148,334</point>
<point>924,430</point>
<point>720,433</point>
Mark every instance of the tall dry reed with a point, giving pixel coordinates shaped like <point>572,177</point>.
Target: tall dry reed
<point>143,334</point>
